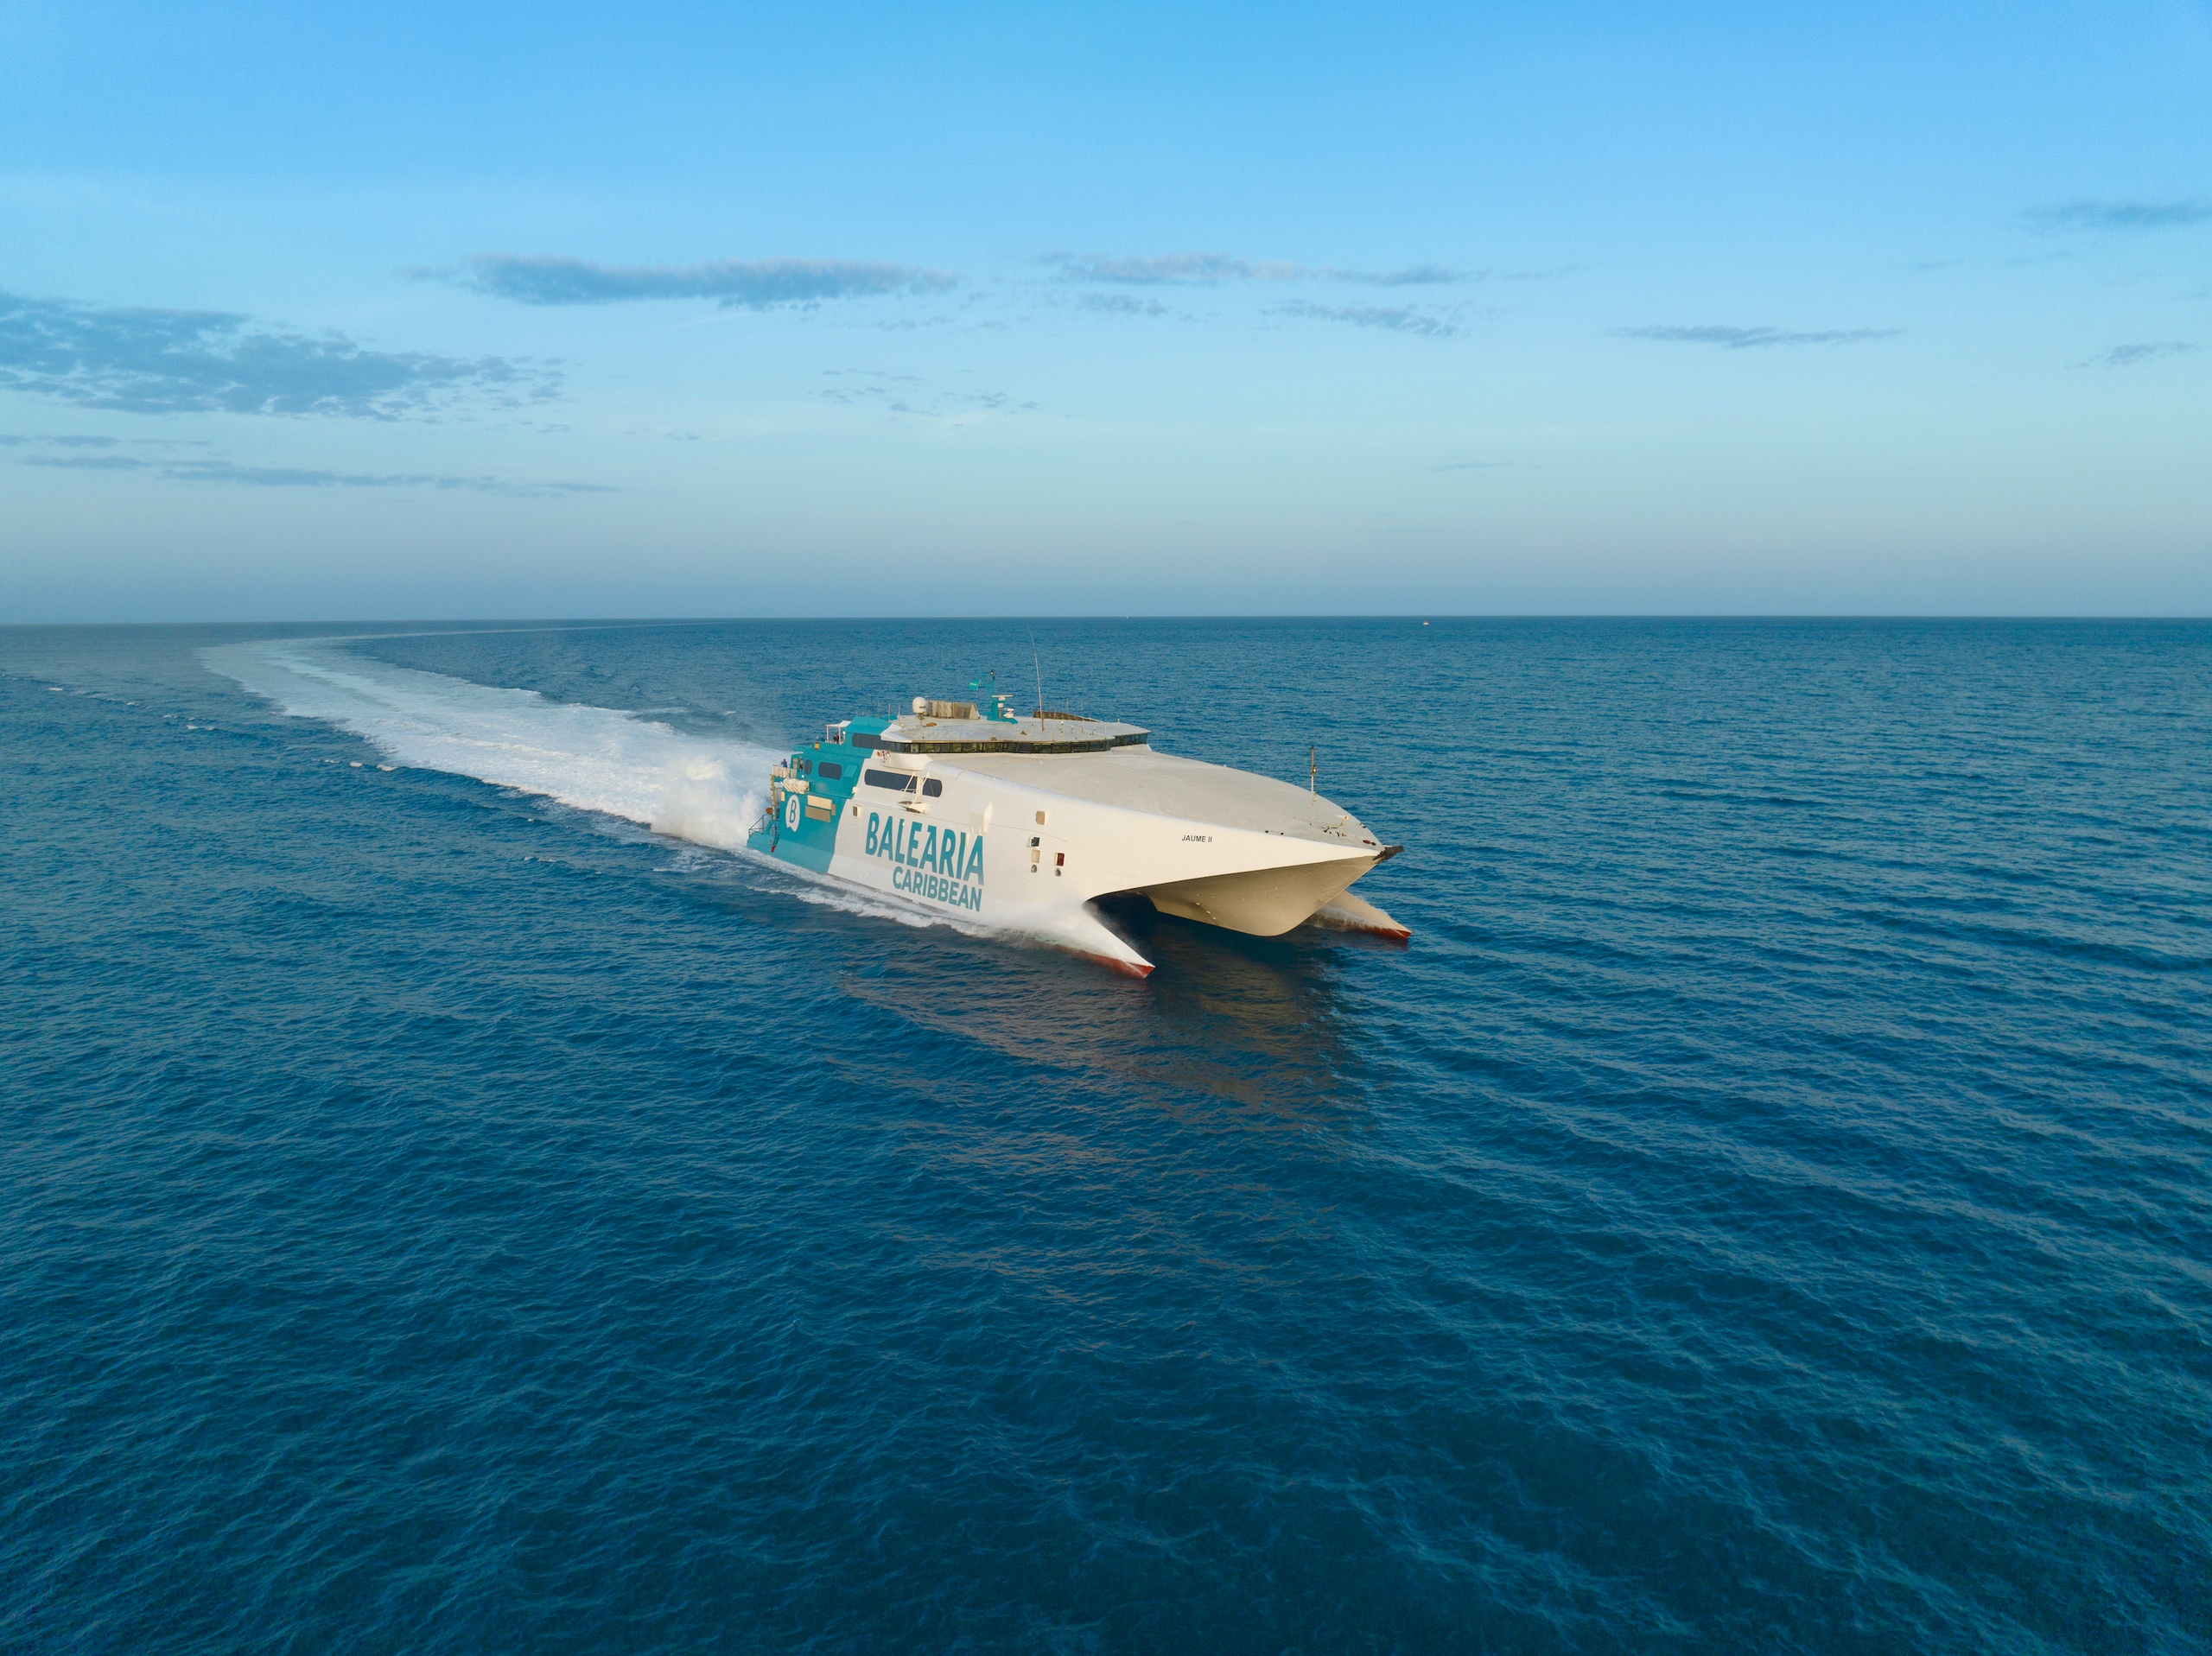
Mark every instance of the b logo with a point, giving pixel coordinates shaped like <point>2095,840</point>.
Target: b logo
<point>791,813</point>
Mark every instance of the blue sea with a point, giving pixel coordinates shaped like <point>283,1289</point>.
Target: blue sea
<point>453,1199</point>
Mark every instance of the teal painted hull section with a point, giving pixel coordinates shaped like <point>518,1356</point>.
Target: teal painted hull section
<point>790,832</point>
<point>815,859</point>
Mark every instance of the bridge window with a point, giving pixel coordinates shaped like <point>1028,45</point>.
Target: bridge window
<point>830,769</point>
<point>932,787</point>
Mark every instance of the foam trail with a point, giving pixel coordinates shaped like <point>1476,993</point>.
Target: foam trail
<point>595,758</point>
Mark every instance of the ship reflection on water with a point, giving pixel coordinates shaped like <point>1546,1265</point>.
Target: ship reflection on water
<point>1259,1023</point>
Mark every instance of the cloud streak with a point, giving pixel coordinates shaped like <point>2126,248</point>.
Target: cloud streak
<point>1121,304</point>
<point>282,477</point>
<point>734,284</point>
<point>1211,269</point>
<point>1397,319</point>
<point>910,394</point>
<point>147,361</point>
<point>1753,338</point>
<point>2127,355</point>
<point>2121,215</point>
<point>90,462</point>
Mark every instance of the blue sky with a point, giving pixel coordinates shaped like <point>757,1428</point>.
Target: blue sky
<point>1585,308</point>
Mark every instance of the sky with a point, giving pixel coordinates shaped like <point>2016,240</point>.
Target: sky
<point>405,311</point>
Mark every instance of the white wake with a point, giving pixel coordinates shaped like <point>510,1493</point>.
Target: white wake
<point>595,758</point>
<point>600,760</point>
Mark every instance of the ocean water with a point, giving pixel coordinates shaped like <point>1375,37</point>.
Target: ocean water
<point>451,1200</point>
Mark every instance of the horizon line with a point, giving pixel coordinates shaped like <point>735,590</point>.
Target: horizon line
<point>521,624</point>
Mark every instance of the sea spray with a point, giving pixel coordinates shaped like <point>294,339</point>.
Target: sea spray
<point>599,759</point>
<point>596,759</point>
<point>700,803</point>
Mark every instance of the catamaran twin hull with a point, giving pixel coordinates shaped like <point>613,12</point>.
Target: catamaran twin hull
<point>1019,823</point>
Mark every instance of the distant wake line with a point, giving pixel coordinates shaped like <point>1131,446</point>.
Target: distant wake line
<point>595,758</point>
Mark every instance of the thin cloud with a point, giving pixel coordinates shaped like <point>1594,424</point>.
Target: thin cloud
<point>294,477</point>
<point>1211,269</point>
<point>738,284</point>
<point>1752,339</point>
<point>910,394</point>
<point>1420,275</point>
<point>1196,270</point>
<point>2127,355</point>
<point>85,441</point>
<point>1397,318</point>
<point>146,361</point>
<point>79,440</point>
<point>290,477</point>
<point>2121,215</point>
<point>1121,304</point>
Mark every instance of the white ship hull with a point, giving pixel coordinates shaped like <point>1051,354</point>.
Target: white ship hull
<point>1026,841</point>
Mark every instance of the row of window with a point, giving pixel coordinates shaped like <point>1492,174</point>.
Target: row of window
<point>831,770</point>
<point>901,783</point>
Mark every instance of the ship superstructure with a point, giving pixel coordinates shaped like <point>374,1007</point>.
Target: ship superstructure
<point>1020,822</point>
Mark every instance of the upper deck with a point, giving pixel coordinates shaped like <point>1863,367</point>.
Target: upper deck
<point>962,727</point>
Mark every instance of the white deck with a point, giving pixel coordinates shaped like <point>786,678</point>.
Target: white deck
<point>1141,779</point>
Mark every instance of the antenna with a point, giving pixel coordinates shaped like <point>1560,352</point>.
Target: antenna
<point>1037,661</point>
<point>1313,781</point>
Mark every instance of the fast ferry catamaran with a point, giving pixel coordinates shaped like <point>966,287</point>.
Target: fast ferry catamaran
<point>1020,822</point>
